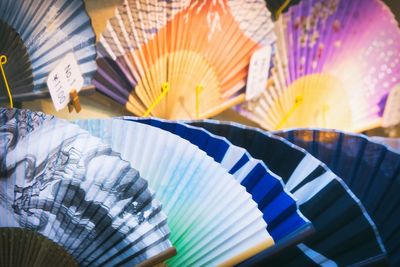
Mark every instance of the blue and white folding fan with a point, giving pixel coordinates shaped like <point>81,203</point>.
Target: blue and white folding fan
<point>36,35</point>
<point>213,220</point>
<point>284,221</point>
<point>61,183</point>
<point>344,235</point>
<point>370,169</point>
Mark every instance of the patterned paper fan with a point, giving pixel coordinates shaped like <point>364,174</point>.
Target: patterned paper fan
<point>181,59</point>
<point>344,235</point>
<point>371,170</point>
<point>284,221</point>
<point>35,36</point>
<point>61,184</point>
<point>212,218</point>
<point>335,63</point>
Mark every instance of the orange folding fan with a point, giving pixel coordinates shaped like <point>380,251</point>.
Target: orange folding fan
<point>180,59</point>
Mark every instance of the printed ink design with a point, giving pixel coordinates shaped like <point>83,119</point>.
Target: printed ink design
<point>60,181</point>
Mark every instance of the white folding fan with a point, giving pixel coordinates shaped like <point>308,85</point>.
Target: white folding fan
<point>344,232</point>
<point>371,170</point>
<point>61,183</point>
<point>181,59</point>
<point>212,218</point>
<point>335,63</point>
<point>35,36</point>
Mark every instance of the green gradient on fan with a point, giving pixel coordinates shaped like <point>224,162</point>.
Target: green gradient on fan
<point>211,216</point>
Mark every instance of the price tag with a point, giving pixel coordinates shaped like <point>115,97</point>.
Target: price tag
<point>258,72</point>
<point>391,115</point>
<point>65,77</point>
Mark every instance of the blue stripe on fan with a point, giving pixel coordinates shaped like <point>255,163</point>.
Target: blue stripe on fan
<point>279,208</point>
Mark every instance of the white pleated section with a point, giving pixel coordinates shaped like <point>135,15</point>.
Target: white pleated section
<point>211,216</point>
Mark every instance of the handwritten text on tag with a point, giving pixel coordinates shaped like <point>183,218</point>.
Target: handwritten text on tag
<point>65,77</point>
<point>258,72</point>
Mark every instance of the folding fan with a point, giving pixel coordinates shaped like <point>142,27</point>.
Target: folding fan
<point>335,63</point>
<point>284,221</point>
<point>393,143</point>
<point>180,59</point>
<point>61,184</point>
<point>370,169</point>
<point>212,218</point>
<point>36,35</point>
<point>345,234</point>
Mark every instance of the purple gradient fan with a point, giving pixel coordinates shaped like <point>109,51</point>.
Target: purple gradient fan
<point>335,64</point>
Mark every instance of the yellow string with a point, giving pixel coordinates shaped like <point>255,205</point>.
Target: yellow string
<point>199,89</point>
<point>281,8</point>
<point>3,61</point>
<point>164,91</point>
<point>297,103</point>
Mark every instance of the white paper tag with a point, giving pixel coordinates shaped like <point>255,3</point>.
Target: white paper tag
<point>258,72</point>
<point>65,77</point>
<point>391,115</point>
